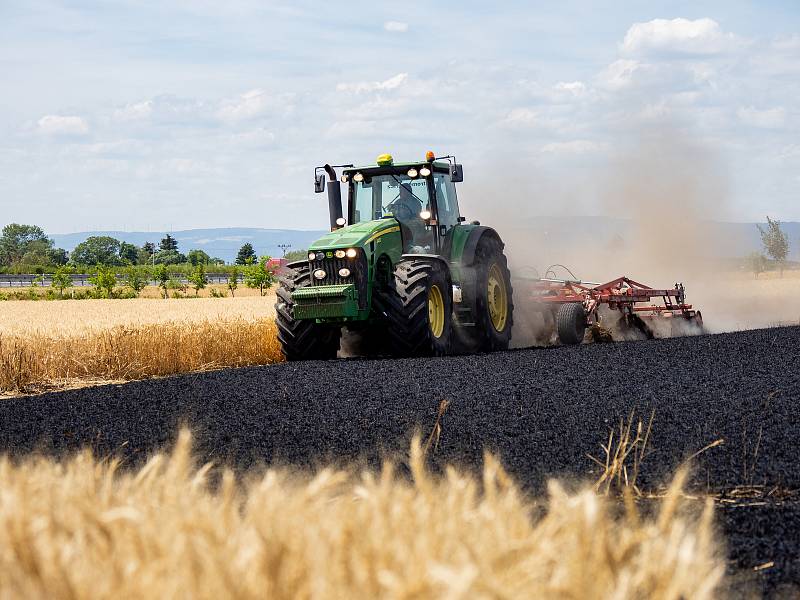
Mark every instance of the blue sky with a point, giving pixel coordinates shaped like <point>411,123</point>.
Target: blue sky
<point>170,115</point>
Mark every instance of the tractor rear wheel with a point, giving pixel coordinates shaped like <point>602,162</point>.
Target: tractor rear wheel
<point>494,304</point>
<point>418,307</point>
<point>302,339</point>
<point>571,323</point>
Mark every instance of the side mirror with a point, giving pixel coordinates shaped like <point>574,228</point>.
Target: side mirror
<point>456,174</point>
<point>319,183</point>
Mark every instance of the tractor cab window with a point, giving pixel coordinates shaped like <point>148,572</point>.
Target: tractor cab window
<point>399,197</point>
<point>446,200</point>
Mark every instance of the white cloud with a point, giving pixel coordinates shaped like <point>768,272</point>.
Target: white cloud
<point>62,125</point>
<point>373,86</point>
<point>522,116</point>
<point>618,74</point>
<point>245,106</point>
<point>771,118</point>
<point>396,26</point>
<point>134,112</point>
<point>787,42</point>
<point>576,88</point>
<point>677,36</point>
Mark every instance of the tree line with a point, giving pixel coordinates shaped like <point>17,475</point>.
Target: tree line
<point>27,248</point>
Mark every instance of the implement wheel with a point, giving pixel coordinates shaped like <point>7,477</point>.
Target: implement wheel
<point>302,339</point>
<point>571,323</point>
<point>418,308</point>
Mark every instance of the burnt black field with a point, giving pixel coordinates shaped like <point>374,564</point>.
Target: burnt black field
<point>541,410</point>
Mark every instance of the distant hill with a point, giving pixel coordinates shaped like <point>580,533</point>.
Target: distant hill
<point>732,240</point>
<point>222,243</point>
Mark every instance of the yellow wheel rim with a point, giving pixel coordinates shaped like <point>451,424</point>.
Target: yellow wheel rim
<point>497,298</point>
<point>436,311</point>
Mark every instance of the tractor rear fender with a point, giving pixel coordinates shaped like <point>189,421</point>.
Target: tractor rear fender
<point>471,245</point>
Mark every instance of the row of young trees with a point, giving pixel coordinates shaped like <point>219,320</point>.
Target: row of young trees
<point>27,247</point>
<point>108,283</point>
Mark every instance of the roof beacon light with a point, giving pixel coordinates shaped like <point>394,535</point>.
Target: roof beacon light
<point>385,160</point>
<point>429,156</point>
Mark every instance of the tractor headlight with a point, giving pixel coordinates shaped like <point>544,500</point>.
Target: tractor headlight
<point>320,274</point>
<point>358,177</point>
<point>344,178</point>
<point>311,256</point>
<point>425,215</point>
<point>351,253</point>
<point>339,254</point>
<point>424,171</point>
<point>344,272</point>
<point>412,173</point>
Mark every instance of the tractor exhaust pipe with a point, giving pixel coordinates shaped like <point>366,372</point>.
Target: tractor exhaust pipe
<point>334,197</point>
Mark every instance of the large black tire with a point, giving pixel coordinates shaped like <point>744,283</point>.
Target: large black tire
<point>490,333</point>
<point>302,339</point>
<point>412,329</point>
<point>571,323</point>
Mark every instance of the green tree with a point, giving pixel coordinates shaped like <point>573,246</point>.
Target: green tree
<point>104,279</point>
<point>169,257</point>
<point>294,255</point>
<point>198,278</point>
<point>57,257</point>
<point>97,250</point>
<point>61,280</point>
<point>757,263</point>
<point>775,242</point>
<point>146,253</point>
<point>216,261</point>
<point>246,253</point>
<point>197,257</point>
<point>37,252</point>
<point>128,253</point>
<point>16,240</point>
<point>169,243</point>
<point>233,281</point>
<point>259,275</point>
<point>161,275</point>
<point>135,280</point>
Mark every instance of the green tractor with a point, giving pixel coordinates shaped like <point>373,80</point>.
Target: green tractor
<point>402,270</point>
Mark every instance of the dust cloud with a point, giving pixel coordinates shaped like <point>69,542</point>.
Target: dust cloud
<point>653,207</point>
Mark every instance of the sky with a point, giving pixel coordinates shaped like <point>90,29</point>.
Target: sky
<point>168,115</point>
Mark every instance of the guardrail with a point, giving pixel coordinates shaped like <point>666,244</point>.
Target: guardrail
<point>82,280</point>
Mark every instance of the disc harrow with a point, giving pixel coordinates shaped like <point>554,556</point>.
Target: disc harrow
<point>571,306</point>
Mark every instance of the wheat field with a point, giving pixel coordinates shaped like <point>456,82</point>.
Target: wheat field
<point>70,317</point>
<point>85,528</point>
<point>67,343</point>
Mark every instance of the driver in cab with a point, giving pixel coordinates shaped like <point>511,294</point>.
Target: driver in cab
<point>406,209</point>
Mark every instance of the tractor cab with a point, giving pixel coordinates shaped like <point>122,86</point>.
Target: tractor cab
<point>420,196</point>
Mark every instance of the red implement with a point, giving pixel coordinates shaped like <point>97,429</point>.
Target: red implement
<point>574,305</point>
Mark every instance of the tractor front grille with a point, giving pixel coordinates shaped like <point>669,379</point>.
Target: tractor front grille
<point>331,265</point>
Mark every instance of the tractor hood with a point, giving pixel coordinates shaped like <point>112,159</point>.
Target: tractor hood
<point>357,235</point>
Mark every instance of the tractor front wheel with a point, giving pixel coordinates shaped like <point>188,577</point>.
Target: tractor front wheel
<point>302,339</point>
<point>418,307</point>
